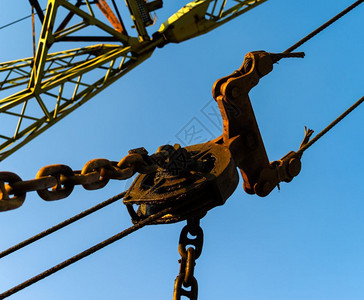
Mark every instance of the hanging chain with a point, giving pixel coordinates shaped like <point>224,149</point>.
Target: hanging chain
<point>186,278</point>
<point>56,182</point>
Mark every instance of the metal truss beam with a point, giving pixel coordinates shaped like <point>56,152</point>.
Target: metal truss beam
<point>52,85</point>
<point>66,76</point>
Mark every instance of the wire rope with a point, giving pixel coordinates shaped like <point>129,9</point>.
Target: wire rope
<point>323,26</point>
<point>19,20</point>
<point>160,214</point>
<point>330,126</point>
<point>61,225</point>
<point>91,250</point>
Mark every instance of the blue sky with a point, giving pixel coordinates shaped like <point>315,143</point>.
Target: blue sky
<point>302,242</point>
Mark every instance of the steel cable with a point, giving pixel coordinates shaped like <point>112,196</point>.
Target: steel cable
<point>61,225</point>
<point>304,40</point>
<point>323,26</point>
<point>156,216</point>
<point>330,126</point>
<point>17,21</point>
<point>93,249</point>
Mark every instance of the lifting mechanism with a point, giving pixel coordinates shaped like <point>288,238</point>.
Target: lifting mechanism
<point>199,176</point>
<point>175,183</point>
<point>174,174</point>
<point>208,171</point>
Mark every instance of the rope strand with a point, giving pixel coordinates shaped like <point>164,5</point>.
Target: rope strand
<point>61,225</point>
<point>156,216</point>
<point>17,21</point>
<point>92,250</point>
<point>330,126</point>
<point>323,26</point>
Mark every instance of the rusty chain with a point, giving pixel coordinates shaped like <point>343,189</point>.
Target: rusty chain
<point>186,278</point>
<point>57,181</point>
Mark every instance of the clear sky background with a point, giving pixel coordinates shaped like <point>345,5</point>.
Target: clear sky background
<point>303,242</point>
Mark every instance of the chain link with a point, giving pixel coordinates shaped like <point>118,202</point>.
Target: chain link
<point>186,278</point>
<point>54,173</point>
<point>56,182</point>
<point>10,202</point>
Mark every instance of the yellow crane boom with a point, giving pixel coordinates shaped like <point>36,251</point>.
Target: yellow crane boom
<point>51,85</point>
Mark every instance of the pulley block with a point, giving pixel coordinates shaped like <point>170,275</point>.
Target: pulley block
<point>202,175</point>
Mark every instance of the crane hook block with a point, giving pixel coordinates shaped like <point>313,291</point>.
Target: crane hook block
<point>240,129</point>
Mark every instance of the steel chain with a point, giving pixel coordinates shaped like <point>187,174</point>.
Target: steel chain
<point>186,278</point>
<point>56,182</point>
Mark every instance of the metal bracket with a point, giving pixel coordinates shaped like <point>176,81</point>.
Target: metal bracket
<point>241,132</point>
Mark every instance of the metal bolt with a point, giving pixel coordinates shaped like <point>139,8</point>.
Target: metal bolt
<point>294,167</point>
<point>235,92</point>
<point>141,151</point>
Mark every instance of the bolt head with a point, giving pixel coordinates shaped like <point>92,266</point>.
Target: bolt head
<point>294,167</point>
<point>235,92</point>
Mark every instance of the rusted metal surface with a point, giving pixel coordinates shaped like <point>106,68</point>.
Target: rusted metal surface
<point>174,174</point>
<point>205,173</point>
<point>56,182</point>
<point>186,278</point>
<point>7,202</point>
<point>200,177</point>
<point>241,133</point>
<point>106,10</point>
<point>175,183</point>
